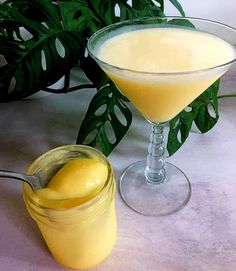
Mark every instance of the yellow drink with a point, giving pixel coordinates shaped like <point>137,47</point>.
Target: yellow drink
<point>156,64</point>
<point>76,212</point>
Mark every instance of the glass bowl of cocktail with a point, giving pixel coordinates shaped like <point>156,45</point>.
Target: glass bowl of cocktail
<point>161,65</point>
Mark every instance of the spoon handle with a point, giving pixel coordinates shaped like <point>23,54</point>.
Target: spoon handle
<point>20,176</point>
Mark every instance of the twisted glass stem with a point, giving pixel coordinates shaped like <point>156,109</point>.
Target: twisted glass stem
<point>155,169</point>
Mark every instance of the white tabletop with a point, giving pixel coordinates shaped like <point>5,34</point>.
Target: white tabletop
<point>202,236</point>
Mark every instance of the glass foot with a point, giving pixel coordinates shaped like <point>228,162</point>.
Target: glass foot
<point>155,199</point>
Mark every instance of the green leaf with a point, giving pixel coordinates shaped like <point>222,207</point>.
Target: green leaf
<point>94,72</point>
<point>77,15</point>
<point>206,107</point>
<point>198,112</point>
<point>145,4</point>
<point>107,120</point>
<point>179,130</point>
<point>140,8</point>
<point>104,12</point>
<point>182,22</point>
<point>67,23</point>
<point>178,6</point>
<point>146,8</point>
<point>42,50</point>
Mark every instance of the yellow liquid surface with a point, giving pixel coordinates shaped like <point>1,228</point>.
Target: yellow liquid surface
<point>160,97</point>
<point>78,240</point>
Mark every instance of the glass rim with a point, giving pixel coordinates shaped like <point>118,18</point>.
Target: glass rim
<point>127,22</point>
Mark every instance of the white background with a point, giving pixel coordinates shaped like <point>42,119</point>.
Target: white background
<point>221,10</point>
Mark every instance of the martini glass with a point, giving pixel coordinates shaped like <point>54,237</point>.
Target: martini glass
<point>153,186</point>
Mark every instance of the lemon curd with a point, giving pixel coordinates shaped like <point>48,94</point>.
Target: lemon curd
<point>153,66</point>
<point>76,182</point>
<point>75,212</point>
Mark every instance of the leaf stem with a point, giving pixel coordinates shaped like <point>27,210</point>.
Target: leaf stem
<point>78,87</point>
<point>226,96</point>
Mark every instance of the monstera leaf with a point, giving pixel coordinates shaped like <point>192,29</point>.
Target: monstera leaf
<point>203,112</point>
<point>39,43</point>
<point>106,120</point>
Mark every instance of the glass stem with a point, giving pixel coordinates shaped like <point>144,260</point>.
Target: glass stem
<point>155,169</point>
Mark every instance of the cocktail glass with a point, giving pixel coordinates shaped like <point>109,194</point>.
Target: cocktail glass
<point>153,186</point>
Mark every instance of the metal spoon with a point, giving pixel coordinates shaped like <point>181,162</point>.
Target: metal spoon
<point>36,182</point>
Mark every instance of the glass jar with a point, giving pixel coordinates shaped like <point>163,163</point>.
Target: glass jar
<point>81,236</point>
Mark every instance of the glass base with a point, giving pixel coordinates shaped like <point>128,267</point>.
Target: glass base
<point>155,199</point>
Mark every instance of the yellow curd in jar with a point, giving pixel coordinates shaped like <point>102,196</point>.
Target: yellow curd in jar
<point>76,211</point>
<point>76,182</point>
